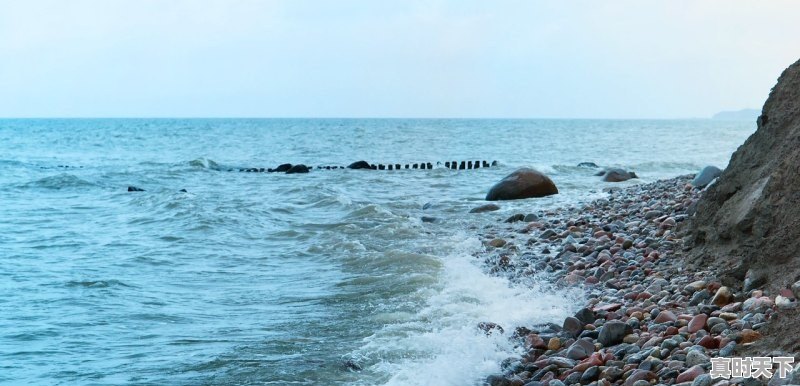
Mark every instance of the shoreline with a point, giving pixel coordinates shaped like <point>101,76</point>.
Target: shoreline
<point>648,318</point>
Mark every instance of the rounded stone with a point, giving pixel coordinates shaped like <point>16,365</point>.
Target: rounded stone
<point>485,208</point>
<point>665,317</point>
<point>690,374</point>
<point>554,344</point>
<point>697,323</point>
<point>522,183</point>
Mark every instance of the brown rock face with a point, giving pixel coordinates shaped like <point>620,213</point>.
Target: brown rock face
<point>750,218</point>
<point>523,183</point>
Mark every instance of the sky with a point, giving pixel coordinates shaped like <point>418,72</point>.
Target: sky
<point>409,58</point>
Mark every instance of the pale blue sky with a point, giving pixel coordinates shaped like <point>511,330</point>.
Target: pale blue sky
<point>351,58</point>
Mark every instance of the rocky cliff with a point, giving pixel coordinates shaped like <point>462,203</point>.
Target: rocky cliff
<point>747,224</point>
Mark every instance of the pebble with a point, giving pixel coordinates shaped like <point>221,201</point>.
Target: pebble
<point>666,317</point>
<point>639,375</point>
<point>796,289</point>
<point>695,286</point>
<point>723,297</point>
<point>758,304</point>
<point>785,303</point>
<point>581,349</point>
<point>696,357</point>
<point>697,323</point>
<point>591,374</point>
<point>702,380</point>
<point>690,374</point>
<point>497,243</point>
<point>573,326</point>
<point>713,321</point>
<point>612,332</point>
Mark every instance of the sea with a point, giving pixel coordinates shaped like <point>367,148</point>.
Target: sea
<point>212,276</point>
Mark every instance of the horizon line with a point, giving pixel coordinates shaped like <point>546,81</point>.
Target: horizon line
<point>356,118</point>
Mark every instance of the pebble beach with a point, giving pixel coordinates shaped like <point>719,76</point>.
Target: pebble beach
<point>646,318</point>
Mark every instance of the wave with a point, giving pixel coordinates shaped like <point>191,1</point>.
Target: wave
<point>96,283</point>
<point>204,163</point>
<point>440,343</point>
<point>57,182</point>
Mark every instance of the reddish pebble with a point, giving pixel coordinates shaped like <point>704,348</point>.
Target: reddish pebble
<point>534,341</point>
<point>639,375</point>
<point>697,323</point>
<point>666,316</point>
<point>591,280</point>
<point>672,330</point>
<point>690,374</point>
<point>708,342</point>
<point>607,307</point>
<point>644,295</point>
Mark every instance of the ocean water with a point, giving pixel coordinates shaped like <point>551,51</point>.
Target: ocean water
<point>326,278</point>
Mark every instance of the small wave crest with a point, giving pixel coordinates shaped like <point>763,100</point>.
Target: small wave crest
<point>60,181</point>
<point>95,283</point>
<point>441,344</point>
<point>204,163</point>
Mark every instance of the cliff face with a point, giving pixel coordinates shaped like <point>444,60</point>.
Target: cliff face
<point>749,220</point>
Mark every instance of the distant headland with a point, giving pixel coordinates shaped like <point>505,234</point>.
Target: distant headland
<point>738,115</point>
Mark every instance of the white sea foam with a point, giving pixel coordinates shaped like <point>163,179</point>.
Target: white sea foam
<point>442,345</point>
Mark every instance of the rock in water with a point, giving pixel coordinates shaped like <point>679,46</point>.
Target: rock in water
<point>135,189</point>
<point>283,168</point>
<point>522,183</point>
<point>617,175</point>
<point>360,165</point>
<point>588,165</point>
<point>297,169</point>
<point>515,218</point>
<point>485,208</point>
<point>708,174</point>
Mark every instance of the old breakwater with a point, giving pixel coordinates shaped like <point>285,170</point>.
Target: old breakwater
<point>364,165</point>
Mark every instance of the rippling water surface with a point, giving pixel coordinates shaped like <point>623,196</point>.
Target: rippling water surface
<point>328,278</point>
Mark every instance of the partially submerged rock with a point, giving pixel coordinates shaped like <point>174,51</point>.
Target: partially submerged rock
<point>360,165</point>
<point>616,175</point>
<point>298,169</point>
<point>522,183</point>
<point>708,174</point>
<point>485,208</point>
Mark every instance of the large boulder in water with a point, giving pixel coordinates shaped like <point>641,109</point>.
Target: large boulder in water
<point>523,183</point>
<point>748,222</point>
<point>708,174</point>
